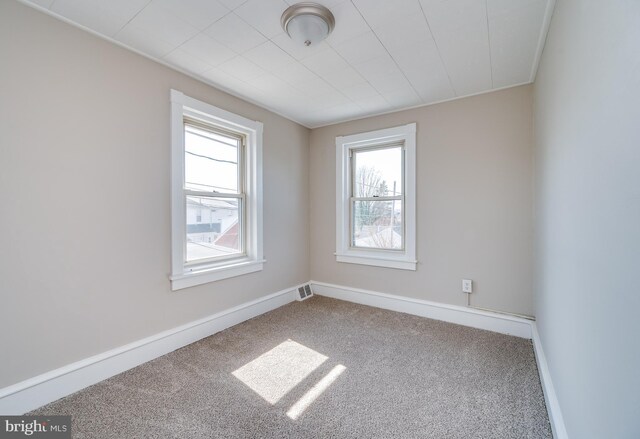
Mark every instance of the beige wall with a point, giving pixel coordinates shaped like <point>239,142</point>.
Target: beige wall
<point>587,130</point>
<point>84,186</point>
<point>474,203</point>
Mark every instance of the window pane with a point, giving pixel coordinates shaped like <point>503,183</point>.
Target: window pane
<point>210,161</point>
<point>377,224</point>
<point>377,172</point>
<point>213,227</point>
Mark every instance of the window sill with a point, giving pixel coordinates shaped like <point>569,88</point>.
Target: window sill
<point>212,274</point>
<point>377,261</point>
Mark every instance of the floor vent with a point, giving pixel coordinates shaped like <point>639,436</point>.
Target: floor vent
<point>304,292</point>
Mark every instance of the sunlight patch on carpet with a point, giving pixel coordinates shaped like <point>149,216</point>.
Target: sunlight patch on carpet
<point>274,373</point>
<point>307,399</point>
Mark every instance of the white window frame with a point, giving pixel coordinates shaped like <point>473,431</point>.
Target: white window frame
<point>184,274</point>
<point>404,259</point>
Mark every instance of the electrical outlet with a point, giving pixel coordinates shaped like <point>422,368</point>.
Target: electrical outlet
<point>467,286</point>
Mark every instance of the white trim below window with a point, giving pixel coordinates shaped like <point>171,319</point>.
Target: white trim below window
<point>377,261</point>
<point>229,269</point>
<point>400,259</point>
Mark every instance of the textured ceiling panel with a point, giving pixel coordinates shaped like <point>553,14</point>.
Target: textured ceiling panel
<point>382,56</point>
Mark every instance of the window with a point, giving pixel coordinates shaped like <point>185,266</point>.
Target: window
<point>216,193</point>
<point>375,191</point>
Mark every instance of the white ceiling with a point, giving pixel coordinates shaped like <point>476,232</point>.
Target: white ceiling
<point>383,55</point>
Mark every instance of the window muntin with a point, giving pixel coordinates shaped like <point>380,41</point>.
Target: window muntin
<point>376,203</point>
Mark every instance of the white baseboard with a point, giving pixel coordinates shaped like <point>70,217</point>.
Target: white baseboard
<point>550,398</point>
<point>50,386</point>
<point>460,315</point>
<point>495,322</point>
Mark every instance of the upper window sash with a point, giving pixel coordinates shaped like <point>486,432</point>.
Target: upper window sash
<point>352,171</point>
<point>222,134</point>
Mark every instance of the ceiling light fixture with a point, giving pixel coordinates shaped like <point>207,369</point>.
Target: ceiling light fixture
<point>307,23</point>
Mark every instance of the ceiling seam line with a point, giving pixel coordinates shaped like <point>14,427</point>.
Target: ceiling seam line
<point>354,69</point>
<point>444,65</point>
<point>486,11</point>
<point>131,19</point>
<point>270,39</point>
<point>390,56</point>
<point>238,7</point>
<point>202,32</point>
<point>315,74</point>
<point>349,64</point>
<point>361,75</point>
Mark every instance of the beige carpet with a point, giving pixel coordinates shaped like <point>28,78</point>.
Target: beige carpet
<point>324,368</point>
